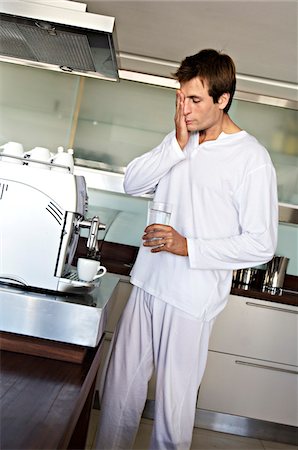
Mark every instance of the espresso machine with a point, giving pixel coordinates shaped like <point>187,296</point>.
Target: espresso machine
<point>42,209</point>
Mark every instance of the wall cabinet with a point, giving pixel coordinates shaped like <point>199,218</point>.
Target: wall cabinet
<point>110,129</point>
<point>252,367</point>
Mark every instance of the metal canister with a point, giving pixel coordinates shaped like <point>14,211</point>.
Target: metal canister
<point>246,278</point>
<point>275,274</point>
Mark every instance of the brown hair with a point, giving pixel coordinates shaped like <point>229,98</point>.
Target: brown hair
<point>217,69</point>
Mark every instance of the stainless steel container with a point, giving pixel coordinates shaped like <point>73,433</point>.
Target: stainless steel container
<point>275,274</point>
<point>245,278</point>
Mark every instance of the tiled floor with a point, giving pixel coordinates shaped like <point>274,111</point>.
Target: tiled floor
<point>202,439</point>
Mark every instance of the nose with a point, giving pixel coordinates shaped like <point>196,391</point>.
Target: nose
<point>187,108</point>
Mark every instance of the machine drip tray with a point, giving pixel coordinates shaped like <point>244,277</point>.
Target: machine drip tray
<point>71,283</point>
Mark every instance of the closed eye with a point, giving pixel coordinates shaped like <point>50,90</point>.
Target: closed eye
<point>195,99</point>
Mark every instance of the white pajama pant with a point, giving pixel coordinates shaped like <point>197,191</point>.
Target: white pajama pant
<point>153,335</point>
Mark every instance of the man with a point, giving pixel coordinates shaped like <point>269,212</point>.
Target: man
<point>222,185</point>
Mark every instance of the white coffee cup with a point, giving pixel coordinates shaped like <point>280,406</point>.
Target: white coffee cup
<point>88,269</point>
<point>63,159</point>
<point>41,154</point>
<point>159,212</point>
<point>12,149</point>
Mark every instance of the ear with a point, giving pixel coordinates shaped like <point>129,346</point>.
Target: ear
<point>223,100</point>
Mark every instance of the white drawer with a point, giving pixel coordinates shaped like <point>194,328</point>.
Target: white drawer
<point>250,388</point>
<point>257,329</point>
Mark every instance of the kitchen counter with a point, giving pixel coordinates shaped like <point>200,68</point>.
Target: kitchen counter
<point>45,403</point>
<point>286,297</point>
<point>119,259</point>
<point>49,377</point>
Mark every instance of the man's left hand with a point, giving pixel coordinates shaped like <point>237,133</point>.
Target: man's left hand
<point>163,238</point>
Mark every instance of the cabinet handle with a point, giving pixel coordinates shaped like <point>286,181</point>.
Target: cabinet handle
<point>262,366</point>
<point>275,308</point>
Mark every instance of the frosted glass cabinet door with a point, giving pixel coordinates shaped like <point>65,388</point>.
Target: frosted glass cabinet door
<point>276,128</point>
<point>36,106</point>
<point>119,121</point>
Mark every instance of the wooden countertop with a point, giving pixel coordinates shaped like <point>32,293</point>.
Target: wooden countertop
<point>45,403</point>
<point>285,298</point>
<point>119,259</point>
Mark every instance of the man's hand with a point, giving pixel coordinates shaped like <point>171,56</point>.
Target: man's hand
<point>163,238</point>
<point>182,134</point>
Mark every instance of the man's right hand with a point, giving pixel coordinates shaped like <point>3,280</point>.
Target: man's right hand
<point>182,134</point>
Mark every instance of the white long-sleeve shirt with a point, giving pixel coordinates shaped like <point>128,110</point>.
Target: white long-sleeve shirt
<point>224,201</point>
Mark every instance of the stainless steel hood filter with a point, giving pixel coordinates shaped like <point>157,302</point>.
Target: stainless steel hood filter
<point>71,47</point>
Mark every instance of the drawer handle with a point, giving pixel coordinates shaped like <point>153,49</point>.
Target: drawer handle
<point>276,308</point>
<point>262,366</point>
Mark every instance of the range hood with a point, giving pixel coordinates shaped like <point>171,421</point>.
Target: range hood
<point>59,36</point>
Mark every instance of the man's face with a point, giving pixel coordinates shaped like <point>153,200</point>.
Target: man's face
<point>200,112</point>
